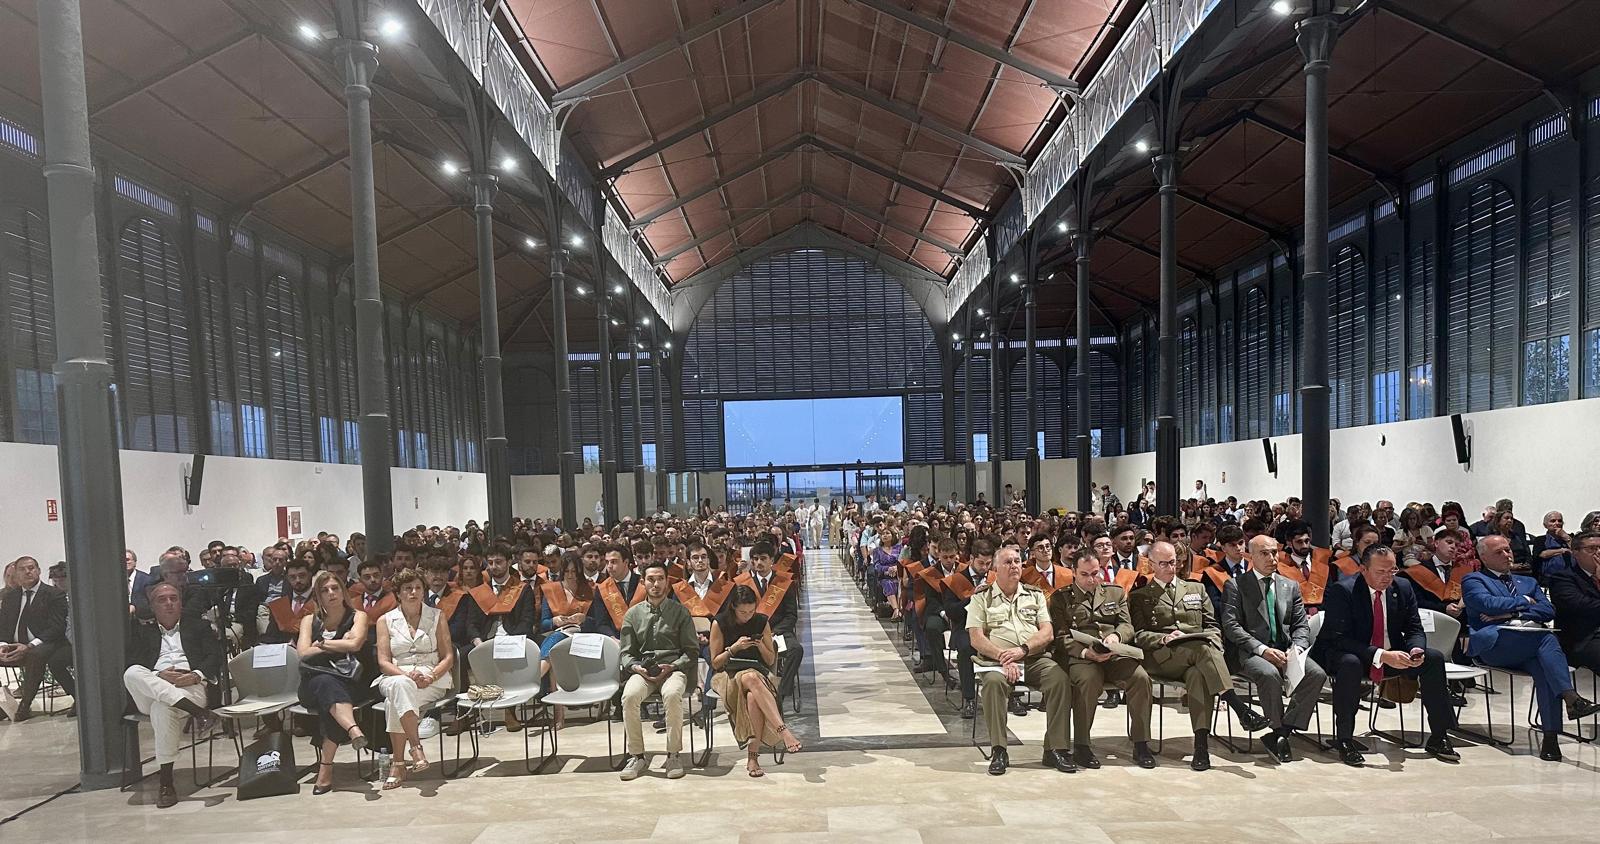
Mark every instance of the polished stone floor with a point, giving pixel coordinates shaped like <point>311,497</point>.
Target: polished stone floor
<point>887,761</point>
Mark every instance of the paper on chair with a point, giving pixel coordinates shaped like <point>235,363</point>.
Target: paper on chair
<point>779,643</point>
<point>1427,622</point>
<point>1295,671</point>
<point>510,647</point>
<point>588,645</point>
<point>269,656</point>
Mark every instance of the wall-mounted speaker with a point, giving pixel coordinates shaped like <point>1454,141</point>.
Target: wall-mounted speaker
<point>1272,455</point>
<point>1458,428</point>
<point>197,473</point>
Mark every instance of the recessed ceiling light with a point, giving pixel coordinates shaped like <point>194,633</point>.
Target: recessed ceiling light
<point>1142,146</point>
<point>1282,7</point>
<point>529,242</point>
<point>309,32</point>
<point>450,168</point>
<point>508,164</point>
<point>576,240</point>
<point>391,27</point>
<point>1061,226</point>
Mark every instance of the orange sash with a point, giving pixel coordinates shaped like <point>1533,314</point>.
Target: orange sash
<point>1129,579</point>
<point>555,596</point>
<point>677,571</point>
<point>785,563</point>
<point>1423,575</point>
<point>1346,562</point>
<point>702,607</point>
<point>492,604</point>
<point>1219,577</point>
<point>1034,578</point>
<point>386,603</point>
<point>611,596</point>
<point>1202,559</point>
<point>1321,573</point>
<point>285,617</point>
<point>959,585</point>
<point>776,590</point>
<point>450,602</point>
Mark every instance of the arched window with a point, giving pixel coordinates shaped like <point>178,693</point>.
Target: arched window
<point>1105,407</point>
<point>439,410</point>
<point>1546,345</point>
<point>214,331</point>
<point>1387,324</point>
<point>1482,309</point>
<point>289,371</point>
<point>1052,404</point>
<point>1420,330</point>
<point>158,389</point>
<point>30,349</point>
<point>1255,411</point>
<point>1347,338</point>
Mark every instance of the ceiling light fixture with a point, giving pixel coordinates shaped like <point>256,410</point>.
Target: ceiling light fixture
<point>616,288</point>
<point>576,240</point>
<point>1282,7</point>
<point>1062,227</point>
<point>956,337</point>
<point>309,32</point>
<point>508,164</point>
<point>614,322</point>
<point>1015,278</point>
<point>980,312</point>
<point>450,168</point>
<point>581,290</point>
<point>529,242</point>
<point>391,27</point>
<point>1141,145</point>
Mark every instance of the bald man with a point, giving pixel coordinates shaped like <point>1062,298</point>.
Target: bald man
<point>1166,609</point>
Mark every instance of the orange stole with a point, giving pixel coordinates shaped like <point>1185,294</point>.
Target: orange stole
<point>1346,562</point>
<point>932,583</point>
<point>1424,576</point>
<point>706,607</point>
<point>611,596</point>
<point>785,563</point>
<point>1322,569</point>
<point>555,596</point>
<point>450,602</point>
<point>676,570</point>
<point>1201,560</point>
<point>1219,577</point>
<point>501,604</point>
<point>1129,579</point>
<point>285,617</point>
<point>776,590</point>
<point>1032,577</point>
<point>358,601</point>
<point>959,585</point>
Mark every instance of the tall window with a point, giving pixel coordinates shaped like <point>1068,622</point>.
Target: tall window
<point>1189,381</point>
<point>439,409</point>
<point>1420,330</point>
<point>1255,419</point>
<point>1137,408</point>
<point>290,371</point>
<point>30,348</point>
<point>1285,415</point>
<point>219,375</point>
<point>1347,338</point>
<point>1225,380</point>
<point>1591,307</point>
<point>157,388</point>
<point>1547,300</point>
<point>1483,301</point>
<point>349,408</point>
<point>1052,405</point>
<point>1387,325</point>
<point>252,388</point>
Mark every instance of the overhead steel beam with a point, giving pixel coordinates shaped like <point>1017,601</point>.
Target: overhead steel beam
<point>452,279</point>
<point>756,97</point>
<point>594,82</point>
<point>667,257</point>
<point>414,225</point>
<point>1058,81</point>
<point>1193,269</point>
<point>1236,216</point>
<point>911,115</point>
<point>173,70</point>
<point>882,219</point>
<point>900,178</point>
<point>1343,158</point>
<point>766,158</point>
<point>272,190</point>
<point>1471,45</point>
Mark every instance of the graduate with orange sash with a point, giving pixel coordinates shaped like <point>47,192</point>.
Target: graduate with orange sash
<point>1215,569</point>
<point>1438,579</point>
<point>278,620</point>
<point>369,595</point>
<point>779,601</point>
<point>1308,566</point>
<point>620,589</point>
<point>1040,570</point>
<point>502,605</point>
<point>1128,569</point>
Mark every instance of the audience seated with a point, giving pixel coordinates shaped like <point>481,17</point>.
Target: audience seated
<point>171,660</point>
<point>1009,626</point>
<point>33,635</point>
<point>779,601</point>
<point>1175,624</point>
<point>1100,611</point>
<point>659,655</point>
<point>1575,593</point>
<point>415,657</point>
<point>744,659</point>
<point>1509,616</point>
<point>332,676</point>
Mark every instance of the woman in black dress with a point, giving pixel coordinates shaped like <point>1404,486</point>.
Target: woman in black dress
<point>332,673</point>
<point>743,655</point>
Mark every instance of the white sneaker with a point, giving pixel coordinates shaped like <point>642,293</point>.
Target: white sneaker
<point>428,727</point>
<point>674,768</point>
<point>634,767</point>
<point>8,704</point>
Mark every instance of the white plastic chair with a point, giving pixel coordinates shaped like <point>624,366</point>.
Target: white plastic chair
<point>586,682</point>
<point>262,691</point>
<point>518,677</point>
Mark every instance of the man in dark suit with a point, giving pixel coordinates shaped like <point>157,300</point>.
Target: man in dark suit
<point>171,660</point>
<point>1374,631</point>
<point>778,597</point>
<point>1509,616</point>
<point>1575,592</point>
<point>33,635</point>
<point>1264,627</point>
<point>138,580</point>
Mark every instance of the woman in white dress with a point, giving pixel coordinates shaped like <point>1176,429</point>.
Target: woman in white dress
<point>415,657</point>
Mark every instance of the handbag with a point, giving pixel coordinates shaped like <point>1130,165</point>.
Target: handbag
<point>267,768</point>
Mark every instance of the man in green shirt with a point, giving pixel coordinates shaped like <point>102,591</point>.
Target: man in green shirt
<point>1011,641</point>
<point>659,652</point>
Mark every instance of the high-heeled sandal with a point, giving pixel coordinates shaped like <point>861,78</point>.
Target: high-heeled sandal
<point>397,775</point>
<point>323,789</point>
<point>790,747</point>
<point>419,759</point>
<point>752,765</point>
<point>359,740</point>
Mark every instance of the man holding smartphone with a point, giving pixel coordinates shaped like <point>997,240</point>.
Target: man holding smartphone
<point>659,650</point>
<point>1374,632</point>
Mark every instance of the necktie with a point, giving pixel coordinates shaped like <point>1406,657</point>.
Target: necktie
<point>1511,585</point>
<point>433,599</point>
<point>1305,569</point>
<point>1379,634</point>
<point>296,603</point>
<point>27,598</point>
<point>1272,610</point>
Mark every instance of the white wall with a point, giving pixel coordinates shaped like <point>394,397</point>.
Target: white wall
<point>238,502</point>
<point>1543,458</point>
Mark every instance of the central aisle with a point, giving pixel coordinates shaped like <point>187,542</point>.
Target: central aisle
<point>863,686</point>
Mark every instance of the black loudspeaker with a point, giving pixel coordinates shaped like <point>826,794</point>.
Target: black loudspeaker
<point>197,473</point>
<point>1272,456</point>
<point>1463,441</point>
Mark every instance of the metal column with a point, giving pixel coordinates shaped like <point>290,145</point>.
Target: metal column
<point>1167,433</point>
<point>997,434</point>
<point>658,361</point>
<point>638,419</point>
<point>969,490</point>
<point>1082,243</point>
<point>358,59</point>
<point>1315,37</point>
<point>563,367</point>
<point>609,438</point>
<point>91,478</point>
<point>496,463</point>
<point>1029,319</point>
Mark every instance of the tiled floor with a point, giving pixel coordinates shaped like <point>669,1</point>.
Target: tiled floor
<point>893,766</point>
